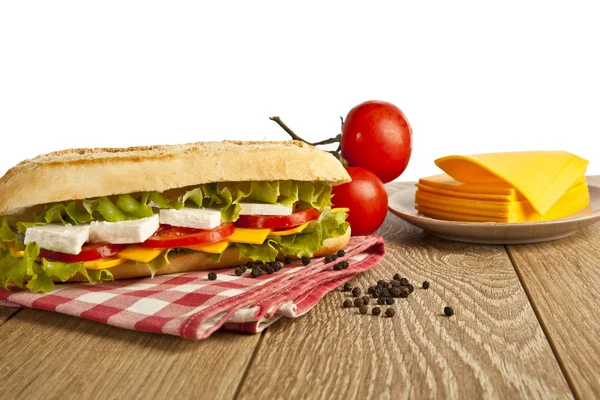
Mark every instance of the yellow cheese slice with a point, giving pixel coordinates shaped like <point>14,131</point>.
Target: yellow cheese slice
<point>248,235</point>
<point>340,209</point>
<point>576,199</point>
<point>12,249</point>
<point>542,177</point>
<point>140,254</point>
<point>215,248</point>
<point>287,232</point>
<point>104,263</point>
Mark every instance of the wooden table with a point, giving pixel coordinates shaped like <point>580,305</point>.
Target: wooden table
<point>525,327</point>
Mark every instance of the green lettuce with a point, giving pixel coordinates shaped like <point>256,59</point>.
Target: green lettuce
<point>225,196</point>
<point>305,243</point>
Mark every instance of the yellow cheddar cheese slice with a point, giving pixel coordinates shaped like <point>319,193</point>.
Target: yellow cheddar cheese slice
<point>140,254</point>
<point>248,235</point>
<point>287,232</point>
<point>542,177</point>
<point>12,249</point>
<point>104,263</point>
<point>340,209</point>
<point>576,199</point>
<point>215,248</point>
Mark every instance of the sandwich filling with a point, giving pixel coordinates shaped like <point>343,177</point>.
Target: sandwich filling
<point>263,220</point>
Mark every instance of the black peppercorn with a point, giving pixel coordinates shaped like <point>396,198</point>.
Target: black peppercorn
<point>376,292</point>
<point>395,283</point>
<point>337,267</point>
<point>328,259</point>
<point>256,272</point>
<point>278,266</point>
<point>347,303</point>
<point>448,311</point>
<point>385,292</point>
<point>410,288</point>
<point>404,282</point>
<point>381,283</point>
<point>376,310</point>
<point>404,292</point>
<point>287,260</point>
<point>389,300</point>
<point>269,269</point>
<point>341,253</point>
<point>366,300</point>
<point>371,289</point>
<point>356,292</point>
<point>381,300</point>
<point>397,277</point>
<point>212,276</point>
<point>347,287</point>
<point>395,292</point>
<point>425,285</point>
<point>390,312</point>
<point>363,309</point>
<point>305,260</point>
<point>239,271</point>
<point>250,264</point>
<point>359,302</point>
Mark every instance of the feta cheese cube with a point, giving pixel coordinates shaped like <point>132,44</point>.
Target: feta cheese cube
<point>199,218</point>
<point>133,231</point>
<point>62,238</point>
<point>264,209</point>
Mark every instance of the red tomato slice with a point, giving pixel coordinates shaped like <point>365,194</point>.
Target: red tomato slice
<point>88,252</point>
<point>168,236</point>
<point>277,222</point>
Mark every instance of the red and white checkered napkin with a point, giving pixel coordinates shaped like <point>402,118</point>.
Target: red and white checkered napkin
<point>191,306</point>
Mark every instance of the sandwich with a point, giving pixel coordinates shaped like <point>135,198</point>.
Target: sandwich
<point>93,215</point>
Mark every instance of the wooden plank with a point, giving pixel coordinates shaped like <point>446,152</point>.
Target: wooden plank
<point>6,313</point>
<point>493,347</point>
<point>562,279</point>
<point>50,355</point>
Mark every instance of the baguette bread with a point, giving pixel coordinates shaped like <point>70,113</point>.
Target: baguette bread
<point>200,261</point>
<point>87,173</point>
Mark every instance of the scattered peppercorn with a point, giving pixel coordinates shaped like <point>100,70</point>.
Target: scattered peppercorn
<point>305,260</point>
<point>389,300</point>
<point>269,269</point>
<point>404,292</point>
<point>363,309</point>
<point>287,260</point>
<point>337,267</point>
<point>425,285</point>
<point>359,302</point>
<point>250,264</point>
<point>376,310</point>
<point>347,303</point>
<point>377,292</point>
<point>390,312</point>
<point>448,311</point>
<point>256,272</point>
<point>397,277</point>
<point>371,289</point>
<point>381,282</point>
<point>410,288</point>
<point>278,266</point>
<point>404,281</point>
<point>381,300</point>
<point>347,287</point>
<point>356,292</point>
<point>244,268</point>
<point>239,271</point>
<point>328,259</point>
<point>212,276</point>
<point>366,299</point>
<point>395,283</point>
<point>385,292</point>
<point>341,253</point>
<point>395,292</point>
<point>258,263</point>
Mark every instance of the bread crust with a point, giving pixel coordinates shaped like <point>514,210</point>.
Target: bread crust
<point>200,261</point>
<point>86,173</point>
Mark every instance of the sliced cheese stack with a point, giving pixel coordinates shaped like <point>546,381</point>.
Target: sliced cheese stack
<point>505,187</point>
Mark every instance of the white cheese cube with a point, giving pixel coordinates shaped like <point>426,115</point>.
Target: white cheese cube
<point>62,238</point>
<point>199,218</point>
<point>264,209</point>
<point>133,231</point>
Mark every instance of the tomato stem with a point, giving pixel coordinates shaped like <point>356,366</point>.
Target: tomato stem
<point>336,139</point>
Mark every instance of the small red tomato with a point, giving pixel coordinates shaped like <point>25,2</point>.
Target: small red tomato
<point>376,135</point>
<point>366,198</point>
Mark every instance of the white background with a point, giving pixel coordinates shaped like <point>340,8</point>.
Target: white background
<point>471,77</point>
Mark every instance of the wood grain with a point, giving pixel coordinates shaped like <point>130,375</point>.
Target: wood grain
<point>6,313</point>
<point>562,279</point>
<point>493,347</point>
<point>55,356</point>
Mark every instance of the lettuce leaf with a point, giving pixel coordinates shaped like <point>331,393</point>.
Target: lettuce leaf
<point>305,243</point>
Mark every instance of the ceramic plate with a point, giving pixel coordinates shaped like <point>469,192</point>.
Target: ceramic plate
<point>402,203</point>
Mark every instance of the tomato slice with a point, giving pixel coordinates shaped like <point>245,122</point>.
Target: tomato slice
<point>168,236</point>
<point>89,252</point>
<point>278,222</point>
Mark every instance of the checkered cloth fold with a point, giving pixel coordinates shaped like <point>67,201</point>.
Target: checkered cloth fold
<point>192,306</point>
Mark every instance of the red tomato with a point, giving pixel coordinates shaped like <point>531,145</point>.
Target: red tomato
<point>168,236</point>
<point>376,135</point>
<point>88,252</point>
<point>366,199</point>
<point>278,222</point>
